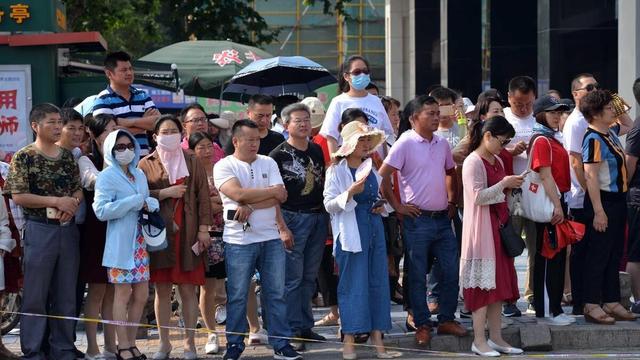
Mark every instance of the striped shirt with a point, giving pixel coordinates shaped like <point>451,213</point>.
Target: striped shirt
<point>607,150</point>
<point>109,102</point>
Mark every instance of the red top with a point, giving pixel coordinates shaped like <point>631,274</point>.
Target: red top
<point>322,141</point>
<point>544,151</point>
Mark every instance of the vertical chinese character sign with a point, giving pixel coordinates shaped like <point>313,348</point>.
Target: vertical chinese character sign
<point>15,104</point>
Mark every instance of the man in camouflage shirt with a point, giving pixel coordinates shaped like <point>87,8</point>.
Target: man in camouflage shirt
<point>44,180</point>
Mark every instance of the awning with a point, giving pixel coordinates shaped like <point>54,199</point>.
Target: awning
<point>85,41</point>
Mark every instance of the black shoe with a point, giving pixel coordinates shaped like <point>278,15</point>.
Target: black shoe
<point>286,353</point>
<point>410,328</point>
<point>78,354</point>
<point>311,335</point>
<point>232,353</point>
<point>465,314</point>
<point>511,310</point>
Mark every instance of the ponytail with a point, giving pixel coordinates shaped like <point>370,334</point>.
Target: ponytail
<point>475,136</point>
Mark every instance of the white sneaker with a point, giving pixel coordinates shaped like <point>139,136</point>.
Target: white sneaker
<point>566,317</point>
<point>221,314</point>
<point>554,321</point>
<point>213,345</point>
<point>259,338</point>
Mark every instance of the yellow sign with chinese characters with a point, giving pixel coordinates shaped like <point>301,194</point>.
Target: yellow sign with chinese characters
<point>61,19</point>
<point>19,13</point>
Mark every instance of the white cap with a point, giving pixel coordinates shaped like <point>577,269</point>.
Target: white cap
<point>225,121</point>
<point>317,110</point>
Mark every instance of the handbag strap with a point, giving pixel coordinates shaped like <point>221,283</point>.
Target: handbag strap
<point>533,145</point>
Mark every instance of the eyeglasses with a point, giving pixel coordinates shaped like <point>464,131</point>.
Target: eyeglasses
<point>590,87</point>
<point>200,120</point>
<point>123,147</point>
<point>504,142</point>
<point>357,72</point>
<point>301,121</point>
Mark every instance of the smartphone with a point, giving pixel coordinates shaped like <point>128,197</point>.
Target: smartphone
<point>52,213</point>
<point>231,214</point>
<point>196,249</point>
<point>446,110</point>
<point>379,203</point>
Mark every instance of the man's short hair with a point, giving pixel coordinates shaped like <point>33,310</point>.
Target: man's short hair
<point>522,83</point>
<point>594,102</point>
<point>111,61</point>
<point>69,114</point>
<point>185,110</point>
<point>576,84</point>
<point>636,90</point>
<point>289,109</point>
<point>260,99</point>
<point>237,127</point>
<point>444,93</point>
<point>40,111</point>
<point>415,106</point>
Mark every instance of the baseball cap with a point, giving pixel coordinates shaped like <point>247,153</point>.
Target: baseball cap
<point>317,110</point>
<point>548,103</point>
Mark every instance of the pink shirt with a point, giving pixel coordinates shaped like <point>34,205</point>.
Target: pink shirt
<point>422,167</point>
<point>218,153</point>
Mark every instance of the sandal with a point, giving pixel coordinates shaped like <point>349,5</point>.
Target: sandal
<point>619,313</point>
<point>602,319</point>
<point>133,356</point>
<point>327,320</point>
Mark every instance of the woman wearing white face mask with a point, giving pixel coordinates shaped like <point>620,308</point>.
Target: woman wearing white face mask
<point>353,78</point>
<point>178,180</point>
<point>121,191</point>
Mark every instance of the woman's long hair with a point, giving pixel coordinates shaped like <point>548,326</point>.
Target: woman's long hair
<point>97,125</point>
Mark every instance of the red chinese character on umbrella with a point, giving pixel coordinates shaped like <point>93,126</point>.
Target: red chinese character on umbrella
<point>8,99</point>
<point>226,57</point>
<point>252,56</point>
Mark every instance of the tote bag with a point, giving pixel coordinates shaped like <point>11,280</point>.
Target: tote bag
<point>534,203</point>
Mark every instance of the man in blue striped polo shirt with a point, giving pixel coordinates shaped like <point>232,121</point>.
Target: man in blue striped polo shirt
<point>132,107</point>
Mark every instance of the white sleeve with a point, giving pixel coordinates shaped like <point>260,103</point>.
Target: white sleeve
<point>88,173</point>
<point>223,171</point>
<point>574,140</point>
<point>332,121</point>
<point>274,173</point>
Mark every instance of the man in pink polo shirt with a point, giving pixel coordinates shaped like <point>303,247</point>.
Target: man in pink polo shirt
<point>427,191</point>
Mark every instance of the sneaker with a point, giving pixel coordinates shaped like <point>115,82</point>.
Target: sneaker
<point>221,314</point>
<point>635,308</point>
<point>259,338</point>
<point>232,353</point>
<point>567,318</point>
<point>311,335</point>
<point>531,309</point>
<point>212,346</point>
<point>511,310</point>
<point>554,321</point>
<point>465,314</point>
<point>286,353</point>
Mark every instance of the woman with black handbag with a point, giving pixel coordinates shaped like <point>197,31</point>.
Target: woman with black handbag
<point>551,161</point>
<point>487,273</point>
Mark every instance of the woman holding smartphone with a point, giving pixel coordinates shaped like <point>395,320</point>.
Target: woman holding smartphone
<point>179,181</point>
<point>351,197</point>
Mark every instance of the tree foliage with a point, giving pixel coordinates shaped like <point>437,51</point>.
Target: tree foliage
<point>140,26</point>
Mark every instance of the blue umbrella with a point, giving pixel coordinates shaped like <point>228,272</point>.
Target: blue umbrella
<point>281,75</point>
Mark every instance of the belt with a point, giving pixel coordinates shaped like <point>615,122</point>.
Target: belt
<point>44,220</point>
<point>434,214</point>
<point>306,211</point>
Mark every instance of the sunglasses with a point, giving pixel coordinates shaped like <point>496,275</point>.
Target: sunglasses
<point>357,72</point>
<point>201,120</point>
<point>590,87</point>
<point>504,142</point>
<point>123,147</point>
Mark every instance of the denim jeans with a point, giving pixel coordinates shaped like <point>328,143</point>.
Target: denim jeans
<point>241,261</point>
<point>303,261</point>
<point>424,237</point>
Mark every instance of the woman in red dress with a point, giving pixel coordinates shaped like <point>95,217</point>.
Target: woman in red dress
<point>487,274</point>
<point>179,181</point>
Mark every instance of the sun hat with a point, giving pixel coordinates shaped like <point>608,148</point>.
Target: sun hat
<point>317,110</point>
<point>225,121</point>
<point>352,132</point>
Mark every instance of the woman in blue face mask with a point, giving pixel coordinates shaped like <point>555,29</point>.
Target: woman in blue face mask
<point>353,78</point>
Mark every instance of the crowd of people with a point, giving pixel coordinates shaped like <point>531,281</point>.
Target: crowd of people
<point>308,203</point>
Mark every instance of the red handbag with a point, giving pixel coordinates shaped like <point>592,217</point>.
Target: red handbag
<point>567,232</point>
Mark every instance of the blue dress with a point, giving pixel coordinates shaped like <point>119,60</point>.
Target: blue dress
<point>363,287</point>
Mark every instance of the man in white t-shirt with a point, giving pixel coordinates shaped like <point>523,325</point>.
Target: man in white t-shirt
<point>521,95</point>
<point>574,130</point>
<point>255,237</point>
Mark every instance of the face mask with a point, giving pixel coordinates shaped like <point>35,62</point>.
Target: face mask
<point>125,157</point>
<point>359,82</point>
<point>168,142</point>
